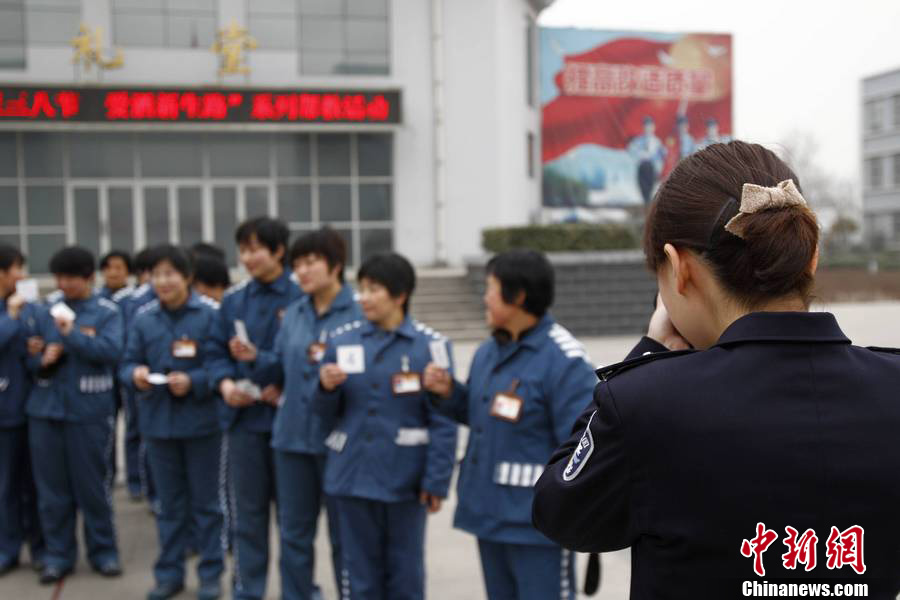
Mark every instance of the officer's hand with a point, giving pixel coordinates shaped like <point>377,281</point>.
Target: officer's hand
<point>438,380</point>
<point>179,383</point>
<point>241,351</point>
<point>663,330</point>
<point>331,376</point>
<point>139,377</point>
<point>270,394</point>
<point>51,354</point>
<point>14,305</point>
<point>64,325</point>
<point>430,501</point>
<point>233,396</point>
<point>35,345</point>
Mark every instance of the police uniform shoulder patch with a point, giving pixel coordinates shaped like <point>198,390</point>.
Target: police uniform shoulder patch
<point>608,372</point>
<point>237,287</point>
<point>582,453</point>
<point>567,343</point>
<point>125,292</point>
<point>106,303</point>
<point>146,307</point>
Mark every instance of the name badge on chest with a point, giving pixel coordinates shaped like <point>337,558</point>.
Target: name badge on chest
<point>406,383</point>
<point>316,351</point>
<point>351,359</point>
<point>507,406</point>
<point>184,348</point>
<point>88,331</point>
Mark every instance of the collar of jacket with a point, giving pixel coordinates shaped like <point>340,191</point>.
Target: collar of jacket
<point>784,327</point>
<point>343,299</point>
<point>278,285</point>
<point>406,328</point>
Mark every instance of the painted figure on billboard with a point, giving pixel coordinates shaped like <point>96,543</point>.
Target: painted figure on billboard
<point>620,109</point>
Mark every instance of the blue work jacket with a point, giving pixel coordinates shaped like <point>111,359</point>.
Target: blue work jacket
<point>297,427</point>
<point>384,446</point>
<point>14,380</point>
<point>79,386</point>
<point>261,307</point>
<point>155,331</point>
<point>549,370</point>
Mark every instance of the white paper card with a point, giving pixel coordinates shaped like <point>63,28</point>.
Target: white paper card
<point>351,359</point>
<point>28,289</point>
<point>439,355</point>
<point>249,388</point>
<point>157,379</point>
<point>61,311</point>
<point>241,331</point>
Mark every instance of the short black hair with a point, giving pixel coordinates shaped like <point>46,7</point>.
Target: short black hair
<point>175,256</point>
<point>526,271</point>
<point>211,271</point>
<point>9,256</point>
<point>73,260</point>
<point>325,242</point>
<point>208,250</point>
<point>392,271</point>
<point>143,260</point>
<point>121,254</point>
<point>269,232</point>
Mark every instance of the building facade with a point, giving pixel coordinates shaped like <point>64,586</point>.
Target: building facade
<point>881,159</point>
<point>404,124</point>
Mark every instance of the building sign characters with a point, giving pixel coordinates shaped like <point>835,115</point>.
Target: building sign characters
<point>232,44</point>
<point>89,52</point>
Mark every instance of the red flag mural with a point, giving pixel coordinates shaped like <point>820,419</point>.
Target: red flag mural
<point>619,113</point>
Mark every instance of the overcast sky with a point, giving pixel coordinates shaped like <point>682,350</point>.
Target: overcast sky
<point>798,63</point>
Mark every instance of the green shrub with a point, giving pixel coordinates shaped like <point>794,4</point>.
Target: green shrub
<point>574,237</point>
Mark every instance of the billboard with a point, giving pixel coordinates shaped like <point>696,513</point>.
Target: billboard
<point>620,109</point>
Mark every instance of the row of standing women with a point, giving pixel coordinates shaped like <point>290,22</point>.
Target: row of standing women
<point>295,391</point>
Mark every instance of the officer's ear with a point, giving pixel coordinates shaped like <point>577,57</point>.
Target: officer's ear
<point>814,263</point>
<point>679,269</point>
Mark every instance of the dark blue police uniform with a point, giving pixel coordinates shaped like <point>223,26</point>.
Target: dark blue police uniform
<point>260,306</point>
<point>386,448</point>
<point>120,297</point>
<point>182,434</point>
<point>781,422</point>
<point>18,498</point>
<point>70,409</point>
<point>298,436</point>
<point>509,442</point>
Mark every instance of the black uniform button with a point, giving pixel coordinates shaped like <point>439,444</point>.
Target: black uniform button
<point>371,412</point>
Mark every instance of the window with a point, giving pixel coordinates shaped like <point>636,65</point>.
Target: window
<point>873,116</point>
<point>12,34</point>
<point>52,21</point>
<point>344,37</point>
<point>897,111</point>
<point>273,23</point>
<point>874,171</point>
<point>171,23</point>
<point>896,170</point>
<point>529,60</point>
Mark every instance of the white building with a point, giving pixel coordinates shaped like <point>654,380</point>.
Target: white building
<point>881,158</point>
<point>433,132</point>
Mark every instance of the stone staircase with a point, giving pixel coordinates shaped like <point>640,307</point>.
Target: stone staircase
<point>446,301</point>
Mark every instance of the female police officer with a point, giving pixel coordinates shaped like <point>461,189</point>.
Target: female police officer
<point>391,454</point>
<point>775,433</point>
<point>526,387</point>
<point>178,419</point>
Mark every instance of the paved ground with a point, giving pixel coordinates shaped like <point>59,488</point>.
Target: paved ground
<point>452,562</point>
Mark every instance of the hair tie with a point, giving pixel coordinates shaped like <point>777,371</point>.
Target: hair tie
<point>755,198</point>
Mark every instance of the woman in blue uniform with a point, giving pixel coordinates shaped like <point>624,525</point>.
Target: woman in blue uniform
<point>703,459</point>
<point>179,421</point>
<point>526,387</point>
<point>391,455</point>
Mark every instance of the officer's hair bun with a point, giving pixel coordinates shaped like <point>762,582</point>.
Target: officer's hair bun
<point>771,258</point>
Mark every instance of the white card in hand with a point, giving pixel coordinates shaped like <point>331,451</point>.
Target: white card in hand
<point>439,355</point>
<point>351,359</point>
<point>249,388</point>
<point>28,289</point>
<point>241,331</point>
<point>157,379</point>
<point>61,311</point>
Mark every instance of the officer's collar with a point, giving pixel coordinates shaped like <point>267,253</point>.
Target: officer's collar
<point>530,337</point>
<point>784,327</point>
<point>406,328</point>
<point>279,284</point>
